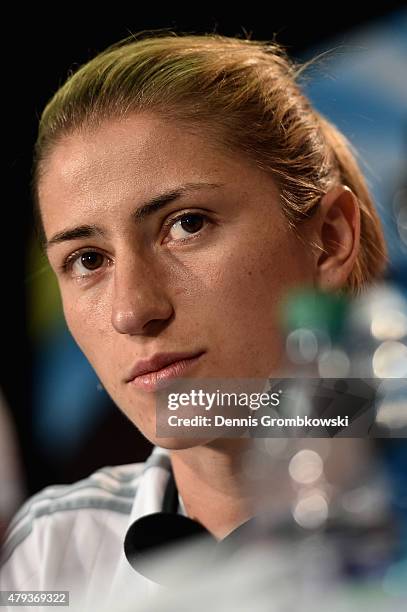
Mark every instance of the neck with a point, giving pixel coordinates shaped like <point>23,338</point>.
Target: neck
<point>211,481</point>
<point>216,490</point>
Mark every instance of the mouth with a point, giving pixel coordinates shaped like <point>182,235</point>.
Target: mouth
<point>162,369</point>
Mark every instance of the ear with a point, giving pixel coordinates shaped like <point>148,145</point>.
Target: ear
<point>338,236</point>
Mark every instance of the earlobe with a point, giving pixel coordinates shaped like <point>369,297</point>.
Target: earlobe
<point>338,237</point>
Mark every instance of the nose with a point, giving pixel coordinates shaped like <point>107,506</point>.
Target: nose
<point>140,303</point>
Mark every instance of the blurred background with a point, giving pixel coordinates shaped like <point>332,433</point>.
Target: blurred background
<point>57,423</point>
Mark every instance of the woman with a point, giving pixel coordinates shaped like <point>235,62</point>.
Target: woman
<point>183,185</point>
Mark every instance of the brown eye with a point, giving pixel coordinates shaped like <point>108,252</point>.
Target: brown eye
<point>190,223</point>
<point>91,260</point>
<point>84,264</point>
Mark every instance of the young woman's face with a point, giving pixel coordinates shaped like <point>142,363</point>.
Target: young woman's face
<point>162,243</point>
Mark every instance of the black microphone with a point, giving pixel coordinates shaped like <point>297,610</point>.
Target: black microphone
<point>156,532</point>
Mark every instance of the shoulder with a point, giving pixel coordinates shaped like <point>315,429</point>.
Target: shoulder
<point>108,490</point>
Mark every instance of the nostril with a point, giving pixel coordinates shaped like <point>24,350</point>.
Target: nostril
<point>157,326</point>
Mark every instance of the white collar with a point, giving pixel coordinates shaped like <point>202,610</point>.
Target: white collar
<point>150,491</point>
<point>148,499</point>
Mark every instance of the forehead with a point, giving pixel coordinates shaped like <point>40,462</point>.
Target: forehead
<point>143,147</point>
<point>126,161</point>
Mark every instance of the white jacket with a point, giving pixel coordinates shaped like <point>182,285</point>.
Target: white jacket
<point>70,537</point>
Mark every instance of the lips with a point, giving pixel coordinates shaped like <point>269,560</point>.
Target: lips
<point>158,371</point>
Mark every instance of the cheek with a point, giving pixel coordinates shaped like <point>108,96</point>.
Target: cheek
<point>86,319</point>
<point>243,299</point>
<point>251,280</point>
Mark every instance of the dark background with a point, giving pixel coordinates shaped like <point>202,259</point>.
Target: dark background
<point>39,53</point>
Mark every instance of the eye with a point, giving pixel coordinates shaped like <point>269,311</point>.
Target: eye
<point>185,225</point>
<point>84,263</point>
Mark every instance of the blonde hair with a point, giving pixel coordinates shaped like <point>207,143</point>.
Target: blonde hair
<point>247,95</point>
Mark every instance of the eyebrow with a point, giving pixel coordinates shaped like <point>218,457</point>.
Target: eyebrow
<point>139,214</point>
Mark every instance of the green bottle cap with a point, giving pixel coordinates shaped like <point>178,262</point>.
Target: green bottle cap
<point>315,310</point>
